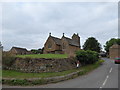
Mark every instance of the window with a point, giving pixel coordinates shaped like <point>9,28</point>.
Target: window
<point>63,46</point>
<point>49,45</point>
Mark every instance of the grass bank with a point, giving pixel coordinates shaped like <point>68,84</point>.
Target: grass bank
<point>19,75</point>
<point>44,56</point>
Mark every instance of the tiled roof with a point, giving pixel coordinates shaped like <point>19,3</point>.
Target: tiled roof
<point>115,46</point>
<point>18,49</point>
<point>57,40</point>
<point>70,41</point>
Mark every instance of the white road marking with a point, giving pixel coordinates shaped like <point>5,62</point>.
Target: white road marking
<point>105,80</point>
<point>110,70</point>
<point>100,88</point>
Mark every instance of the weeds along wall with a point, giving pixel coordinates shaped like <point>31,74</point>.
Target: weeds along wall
<point>41,65</point>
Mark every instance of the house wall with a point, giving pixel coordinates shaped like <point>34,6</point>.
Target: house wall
<point>69,49</point>
<point>65,46</point>
<point>114,52</point>
<point>52,49</point>
<point>76,38</point>
<point>72,50</point>
<point>13,51</point>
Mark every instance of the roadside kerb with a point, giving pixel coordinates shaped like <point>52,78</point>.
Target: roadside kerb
<point>49,79</point>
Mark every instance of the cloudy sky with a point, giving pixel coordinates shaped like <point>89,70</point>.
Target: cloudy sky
<point>28,24</point>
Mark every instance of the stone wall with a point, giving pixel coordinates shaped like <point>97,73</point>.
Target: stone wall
<point>42,65</point>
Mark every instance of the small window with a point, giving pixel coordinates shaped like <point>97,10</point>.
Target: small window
<point>63,46</point>
<point>49,45</point>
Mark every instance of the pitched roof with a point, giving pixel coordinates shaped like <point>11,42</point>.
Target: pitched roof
<point>115,46</point>
<point>57,40</point>
<point>18,49</point>
<point>72,42</point>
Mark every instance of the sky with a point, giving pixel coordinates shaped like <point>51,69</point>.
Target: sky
<point>28,24</point>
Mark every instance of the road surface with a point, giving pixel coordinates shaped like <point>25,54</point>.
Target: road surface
<point>105,76</point>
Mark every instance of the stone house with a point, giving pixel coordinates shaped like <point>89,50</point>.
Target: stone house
<point>62,45</point>
<point>114,51</point>
<point>18,51</point>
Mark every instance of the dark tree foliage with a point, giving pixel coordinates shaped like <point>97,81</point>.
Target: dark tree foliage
<point>37,51</point>
<point>87,57</point>
<point>92,44</point>
<point>110,43</point>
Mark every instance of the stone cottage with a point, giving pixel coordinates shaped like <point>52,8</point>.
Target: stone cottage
<point>114,51</point>
<point>62,45</point>
<point>18,51</point>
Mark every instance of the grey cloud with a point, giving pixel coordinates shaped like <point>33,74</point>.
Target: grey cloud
<point>28,24</point>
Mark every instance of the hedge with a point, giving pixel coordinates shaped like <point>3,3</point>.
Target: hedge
<point>87,57</point>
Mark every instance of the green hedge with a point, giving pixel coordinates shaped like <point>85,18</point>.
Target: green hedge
<point>87,57</point>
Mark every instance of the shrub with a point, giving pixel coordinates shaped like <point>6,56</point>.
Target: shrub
<point>7,59</point>
<point>81,56</point>
<point>39,82</point>
<point>92,56</point>
<point>87,57</point>
<point>15,82</point>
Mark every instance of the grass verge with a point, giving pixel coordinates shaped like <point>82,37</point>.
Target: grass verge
<point>21,78</point>
<point>44,56</point>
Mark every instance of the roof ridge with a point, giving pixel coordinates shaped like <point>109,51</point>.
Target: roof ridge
<point>55,37</point>
<point>18,47</point>
<point>68,38</point>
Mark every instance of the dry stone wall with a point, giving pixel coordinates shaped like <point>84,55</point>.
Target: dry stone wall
<point>42,65</point>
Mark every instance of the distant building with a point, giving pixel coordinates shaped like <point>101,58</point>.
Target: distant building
<point>102,54</point>
<point>114,51</point>
<point>18,51</point>
<point>62,45</point>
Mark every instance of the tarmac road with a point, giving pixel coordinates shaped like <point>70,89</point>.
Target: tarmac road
<point>105,76</point>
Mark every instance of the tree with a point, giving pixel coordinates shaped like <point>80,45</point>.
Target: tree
<point>92,44</point>
<point>1,45</point>
<point>37,51</point>
<point>110,43</point>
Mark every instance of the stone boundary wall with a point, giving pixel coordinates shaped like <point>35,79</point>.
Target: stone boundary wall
<point>38,65</point>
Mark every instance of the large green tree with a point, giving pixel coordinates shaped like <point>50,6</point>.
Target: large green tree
<point>92,44</point>
<point>110,43</point>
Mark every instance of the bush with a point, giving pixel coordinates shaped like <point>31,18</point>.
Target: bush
<point>15,82</point>
<point>87,57</point>
<point>81,56</point>
<point>39,82</point>
<point>7,59</point>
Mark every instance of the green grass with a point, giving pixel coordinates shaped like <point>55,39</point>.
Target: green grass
<point>24,82</point>
<point>15,74</point>
<point>44,56</point>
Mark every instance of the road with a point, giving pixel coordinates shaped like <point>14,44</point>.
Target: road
<point>105,76</point>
